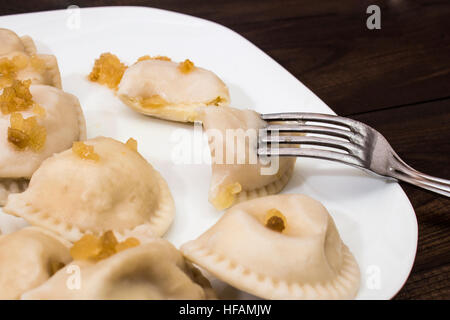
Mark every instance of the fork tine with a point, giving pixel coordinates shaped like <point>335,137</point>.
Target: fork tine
<point>325,142</point>
<point>312,153</point>
<point>304,116</point>
<point>346,134</point>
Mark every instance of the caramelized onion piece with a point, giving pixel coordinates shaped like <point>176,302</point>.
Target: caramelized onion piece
<point>91,247</point>
<point>186,66</point>
<point>275,220</point>
<point>108,70</point>
<point>85,151</point>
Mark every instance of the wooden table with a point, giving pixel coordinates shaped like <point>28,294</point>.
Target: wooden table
<point>396,79</point>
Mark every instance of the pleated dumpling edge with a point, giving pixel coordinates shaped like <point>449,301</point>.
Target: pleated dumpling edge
<point>278,247</point>
<point>99,185</point>
<point>154,269</point>
<point>21,56</point>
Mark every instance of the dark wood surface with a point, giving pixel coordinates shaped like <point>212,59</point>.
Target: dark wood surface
<point>396,79</point>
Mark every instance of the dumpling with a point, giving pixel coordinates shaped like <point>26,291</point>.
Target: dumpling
<point>35,122</point>
<point>19,61</point>
<point>237,172</point>
<point>278,247</point>
<point>12,43</point>
<point>159,87</point>
<point>153,270</point>
<point>28,258</point>
<point>170,90</point>
<point>98,185</point>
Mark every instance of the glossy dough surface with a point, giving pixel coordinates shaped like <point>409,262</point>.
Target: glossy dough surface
<point>249,173</point>
<point>27,259</point>
<point>153,270</point>
<point>72,195</point>
<point>308,260</point>
<point>64,123</point>
<point>8,186</point>
<point>48,71</point>
<point>182,93</point>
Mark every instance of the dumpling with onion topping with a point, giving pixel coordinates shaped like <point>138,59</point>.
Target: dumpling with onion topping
<point>20,61</point>
<point>151,270</point>
<point>13,44</point>
<point>97,185</point>
<point>278,247</point>
<point>36,121</point>
<point>238,173</point>
<point>170,90</point>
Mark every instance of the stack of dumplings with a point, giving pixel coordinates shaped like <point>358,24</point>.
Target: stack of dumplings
<point>246,179</point>
<point>37,118</point>
<point>98,209</point>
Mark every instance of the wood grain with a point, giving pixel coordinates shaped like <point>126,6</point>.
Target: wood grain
<point>396,79</point>
<point>420,134</point>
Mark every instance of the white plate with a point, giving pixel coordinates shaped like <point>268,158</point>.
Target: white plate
<point>374,217</point>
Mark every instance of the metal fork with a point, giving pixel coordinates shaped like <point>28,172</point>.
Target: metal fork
<point>361,146</point>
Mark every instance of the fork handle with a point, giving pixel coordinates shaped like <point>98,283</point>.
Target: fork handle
<point>401,171</point>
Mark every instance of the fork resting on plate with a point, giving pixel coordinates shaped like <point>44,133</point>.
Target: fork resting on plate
<point>348,141</point>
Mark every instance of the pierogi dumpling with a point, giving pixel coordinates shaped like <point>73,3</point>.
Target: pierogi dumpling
<point>13,44</point>
<point>98,185</point>
<point>278,247</point>
<point>153,270</point>
<point>19,61</point>
<point>170,90</point>
<point>46,121</point>
<point>238,174</point>
<point>28,258</point>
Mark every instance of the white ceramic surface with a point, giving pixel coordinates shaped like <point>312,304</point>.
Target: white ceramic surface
<point>374,217</point>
